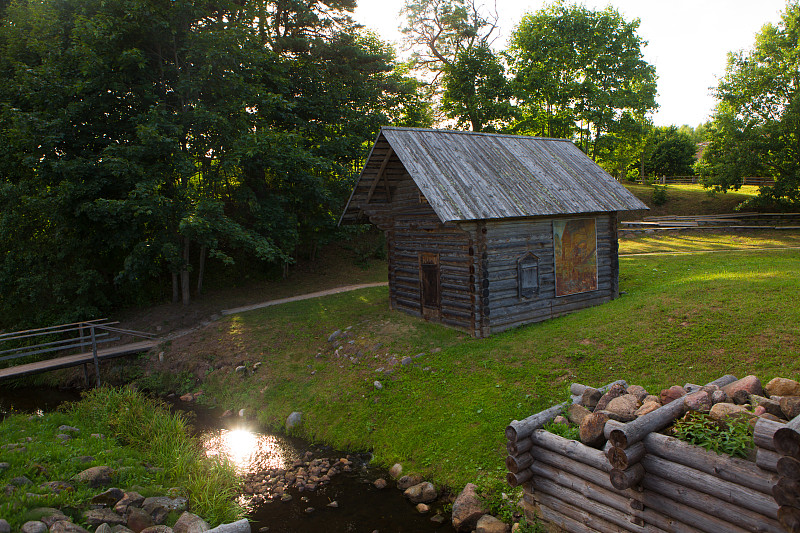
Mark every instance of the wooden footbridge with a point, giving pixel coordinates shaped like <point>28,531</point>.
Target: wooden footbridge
<point>82,343</point>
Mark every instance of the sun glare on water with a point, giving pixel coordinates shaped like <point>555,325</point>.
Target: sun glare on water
<point>247,451</point>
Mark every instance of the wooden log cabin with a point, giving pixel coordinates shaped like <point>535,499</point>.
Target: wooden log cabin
<point>487,232</point>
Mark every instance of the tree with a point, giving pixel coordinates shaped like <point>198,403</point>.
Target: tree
<point>671,153</point>
<point>450,40</point>
<point>755,129</point>
<point>578,72</point>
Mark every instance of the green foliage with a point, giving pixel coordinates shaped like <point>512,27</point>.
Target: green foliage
<point>659,194</point>
<point>669,152</point>
<point>567,431</point>
<point>754,129</point>
<point>734,437</point>
<point>138,434</point>
<point>498,498</point>
<point>579,74</point>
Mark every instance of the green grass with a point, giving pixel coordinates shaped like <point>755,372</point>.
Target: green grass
<point>688,200</point>
<point>138,434</point>
<point>684,318</point>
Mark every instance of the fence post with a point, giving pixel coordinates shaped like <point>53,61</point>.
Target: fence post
<point>94,355</point>
<point>80,350</point>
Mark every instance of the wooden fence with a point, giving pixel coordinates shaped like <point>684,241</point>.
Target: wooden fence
<point>684,180</point>
<point>643,481</point>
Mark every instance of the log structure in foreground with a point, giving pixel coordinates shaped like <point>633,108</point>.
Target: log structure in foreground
<point>786,442</point>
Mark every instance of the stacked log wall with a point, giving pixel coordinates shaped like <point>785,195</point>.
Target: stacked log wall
<point>508,240</point>
<point>415,229</point>
<point>684,487</point>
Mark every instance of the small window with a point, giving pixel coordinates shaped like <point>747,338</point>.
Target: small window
<point>528,275</point>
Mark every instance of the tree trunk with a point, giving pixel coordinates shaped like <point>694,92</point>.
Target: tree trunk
<point>176,290</point>
<point>185,288</point>
<point>201,268</point>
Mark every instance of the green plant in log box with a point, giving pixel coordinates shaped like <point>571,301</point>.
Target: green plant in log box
<point>734,437</point>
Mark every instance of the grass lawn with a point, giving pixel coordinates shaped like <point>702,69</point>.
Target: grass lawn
<point>689,199</point>
<point>682,318</point>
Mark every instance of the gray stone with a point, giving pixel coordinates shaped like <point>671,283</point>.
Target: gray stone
<point>57,486</point>
<point>190,523</point>
<point>490,524</point>
<point>561,420</point>
<point>104,528</point>
<point>95,517</point>
<point>160,506</point>
<point>467,509</point>
<point>109,498</point>
<point>52,518</point>
<point>718,397</point>
<point>240,526</point>
<point>378,385</point>
<point>790,406</point>
<point>624,406</point>
<point>66,526</point>
<point>241,369</point>
<point>95,476</point>
<point>34,526</point>
<point>120,529</point>
<point>129,499</point>
<point>396,470</point>
<point>379,483</point>
<point>615,391</point>
<point>4,526</point>
<point>138,519</point>
<point>157,529</point>
<point>333,336</point>
<point>589,399</point>
<point>63,437</point>
<point>698,401</point>
<point>405,361</point>
<point>639,392</point>
<point>406,482</point>
<point>294,420</point>
<point>421,493</point>
<point>333,505</point>
<point>21,481</point>
<point>770,406</point>
<point>68,428</point>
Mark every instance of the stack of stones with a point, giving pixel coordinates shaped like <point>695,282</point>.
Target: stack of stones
<point>307,474</point>
<point>778,401</point>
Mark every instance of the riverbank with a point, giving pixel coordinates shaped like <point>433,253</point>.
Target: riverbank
<point>113,437</point>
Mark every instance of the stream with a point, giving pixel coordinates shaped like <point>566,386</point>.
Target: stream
<point>360,506</point>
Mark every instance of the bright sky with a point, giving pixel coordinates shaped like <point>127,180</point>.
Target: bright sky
<point>688,41</point>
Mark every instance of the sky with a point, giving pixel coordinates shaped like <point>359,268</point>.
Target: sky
<point>688,41</point>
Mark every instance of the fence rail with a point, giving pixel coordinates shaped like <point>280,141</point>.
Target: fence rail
<point>69,344</point>
<point>684,180</point>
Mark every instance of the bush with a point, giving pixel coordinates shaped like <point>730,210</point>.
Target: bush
<point>659,194</point>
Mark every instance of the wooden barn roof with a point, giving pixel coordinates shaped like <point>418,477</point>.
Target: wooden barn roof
<point>471,176</point>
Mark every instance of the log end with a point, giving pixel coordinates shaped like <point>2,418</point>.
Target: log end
<point>618,438</point>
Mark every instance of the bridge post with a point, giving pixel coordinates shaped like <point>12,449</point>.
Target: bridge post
<point>94,355</point>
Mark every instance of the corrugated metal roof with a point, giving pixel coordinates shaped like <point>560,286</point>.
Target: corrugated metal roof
<point>470,176</point>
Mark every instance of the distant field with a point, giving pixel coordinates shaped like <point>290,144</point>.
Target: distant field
<point>688,200</point>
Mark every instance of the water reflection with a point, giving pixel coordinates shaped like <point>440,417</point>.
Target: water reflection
<point>248,451</point>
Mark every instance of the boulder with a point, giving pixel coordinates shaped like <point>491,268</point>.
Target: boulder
<point>138,519</point>
<point>467,509</point>
<point>651,398</point>
<point>95,517</point>
<point>108,498</point>
<point>790,406</point>
<point>718,397</point>
<point>240,526</point>
<point>5,527</point>
<point>96,476</point>
<point>624,407</point>
<point>698,401</point>
<point>65,526</point>
<point>190,523</point>
<point>576,413</point>
<point>490,524</point>
<point>647,407</point>
<point>129,499</point>
<point>423,492</point>
<point>590,397</point>
<point>615,391</point>
<point>408,481</point>
<point>379,483</point>
<point>33,526</point>
<point>772,407</point>
<point>751,384</point>
<point>783,387</point>
<point>103,528</point>
<point>396,470</point>
<point>671,394</point>
<point>639,392</point>
<point>294,420</point>
<point>722,411</point>
<point>591,430</point>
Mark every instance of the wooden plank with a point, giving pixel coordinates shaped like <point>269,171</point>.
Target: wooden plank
<point>76,360</point>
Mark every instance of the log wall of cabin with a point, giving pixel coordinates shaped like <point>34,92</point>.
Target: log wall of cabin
<point>507,241</point>
<point>412,228</point>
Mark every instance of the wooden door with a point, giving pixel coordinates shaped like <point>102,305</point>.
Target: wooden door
<point>429,284</point>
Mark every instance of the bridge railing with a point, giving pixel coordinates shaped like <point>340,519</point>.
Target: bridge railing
<point>58,341</point>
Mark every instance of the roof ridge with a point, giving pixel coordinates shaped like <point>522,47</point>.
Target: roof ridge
<point>478,133</point>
